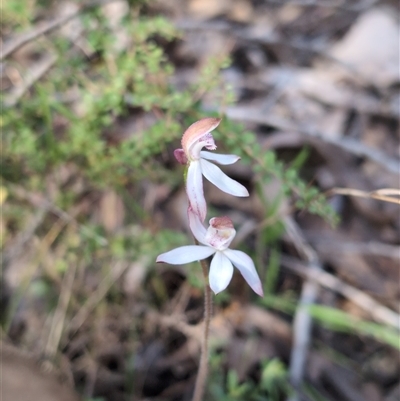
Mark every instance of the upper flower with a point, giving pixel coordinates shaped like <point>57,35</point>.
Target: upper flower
<point>194,139</point>
<point>216,240</point>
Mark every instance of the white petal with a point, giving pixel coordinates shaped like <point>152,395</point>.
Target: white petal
<point>215,175</point>
<point>220,159</point>
<point>221,271</point>
<point>185,254</point>
<point>246,266</point>
<point>194,190</point>
<point>196,226</point>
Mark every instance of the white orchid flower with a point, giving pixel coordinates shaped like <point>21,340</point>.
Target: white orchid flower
<point>194,139</point>
<point>216,240</point>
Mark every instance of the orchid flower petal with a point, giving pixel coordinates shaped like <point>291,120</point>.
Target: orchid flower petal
<point>221,271</point>
<point>196,226</point>
<point>246,267</point>
<point>219,158</point>
<point>220,233</point>
<point>185,254</point>
<point>196,132</point>
<point>194,190</point>
<point>216,176</point>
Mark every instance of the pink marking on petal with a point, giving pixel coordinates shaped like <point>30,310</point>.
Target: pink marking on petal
<point>208,142</point>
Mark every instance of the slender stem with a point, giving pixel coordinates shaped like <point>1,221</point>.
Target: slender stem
<point>203,364</point>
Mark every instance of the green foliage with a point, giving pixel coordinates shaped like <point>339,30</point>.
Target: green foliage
<point>267,166</point>
<point>16,15</point>
<point>338,320</point>
<point>272,272</point>
<point>274,379</point>
<point>273,385</point>
<point>138,78</point>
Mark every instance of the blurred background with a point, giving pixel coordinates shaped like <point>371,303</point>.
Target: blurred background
<point>95,98</point>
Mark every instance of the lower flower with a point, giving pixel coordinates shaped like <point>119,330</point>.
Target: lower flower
<point>215,241</point>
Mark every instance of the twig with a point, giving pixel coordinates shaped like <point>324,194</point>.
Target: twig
<point>57,323</point>
<point>375,248</point>
<point>33,75</point>
<point>20,242</point>
<point>385,194</point>
<point>42,250</point>
<point>377,311</point>
<point>116,272</point>
<point>349,144</point>
<point>362,5</point>
<point>302,321</point>
<point>14,44</point>
<point>40,201</point>
<point>249,35</point>
<point>178,322</point>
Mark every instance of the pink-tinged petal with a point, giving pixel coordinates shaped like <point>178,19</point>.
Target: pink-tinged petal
<point>246,267</point>
<point>216,176</point>
<point>180,156</point>
<point>221,271</point>
<point>196,226</point>
<point>197,130</point>
<point>194,190</point>
<point>185,254</point>
<point>220,233</point>
<point>220,159</point>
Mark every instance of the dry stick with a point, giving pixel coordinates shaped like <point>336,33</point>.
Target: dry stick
<point>14,44</point>
<point>101,291</point>
<point>302,320</point>
<point>203,364</point>
<point>384,194</point>
<point>377,311</point>
<point>22,238</point>
<point>33,75</point>
<point>272,39</point>
<point>58,320</point>
<point>328,4</point>
<point>41,202</point>
<point>43,248</point>
<point>373,248</point>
